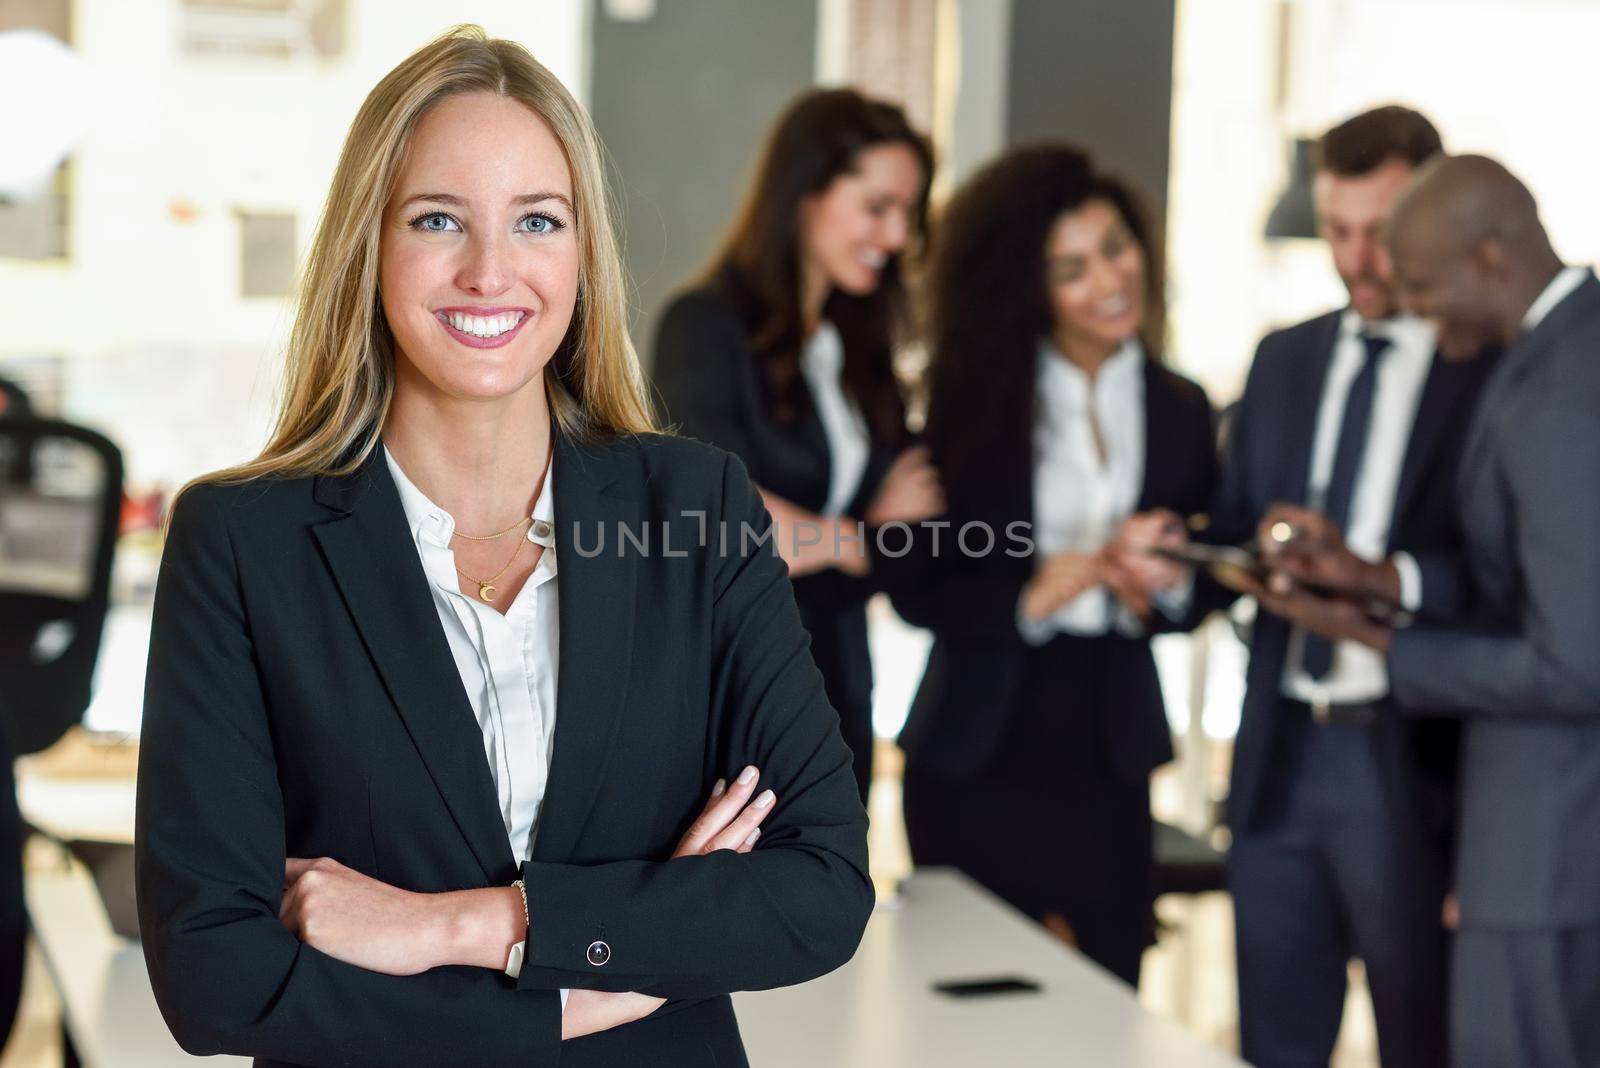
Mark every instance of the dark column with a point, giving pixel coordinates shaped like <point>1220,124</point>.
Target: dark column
<point>682,99</point>
<point>1098,73</point>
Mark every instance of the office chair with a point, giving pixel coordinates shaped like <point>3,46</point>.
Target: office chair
<point>60,506</point>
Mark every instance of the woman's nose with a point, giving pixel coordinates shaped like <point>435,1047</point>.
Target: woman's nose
<point>485,270</point>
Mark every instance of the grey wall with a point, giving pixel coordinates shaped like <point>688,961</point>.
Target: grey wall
<point>1099,73</point>
<point>682,100</point>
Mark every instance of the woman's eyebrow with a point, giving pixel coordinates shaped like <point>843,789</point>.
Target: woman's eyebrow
<point>455,201</point>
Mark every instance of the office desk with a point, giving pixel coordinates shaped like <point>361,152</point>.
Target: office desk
<point>880,1011</point>
<point>108,1010</point>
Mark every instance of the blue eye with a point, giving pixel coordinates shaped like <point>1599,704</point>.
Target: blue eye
<point>539,223</point>
<point>434,222</point>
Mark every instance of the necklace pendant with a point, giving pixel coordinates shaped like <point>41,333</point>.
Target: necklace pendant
<point>485,592</point>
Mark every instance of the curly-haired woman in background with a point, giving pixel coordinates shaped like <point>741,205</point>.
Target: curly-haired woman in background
<point>1040,717</point>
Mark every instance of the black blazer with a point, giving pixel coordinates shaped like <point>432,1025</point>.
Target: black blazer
<point>711,386</point>
<point>1268,461</point>
<point>302,701</point>
<point>972,689</point>
<point>1521,668</point>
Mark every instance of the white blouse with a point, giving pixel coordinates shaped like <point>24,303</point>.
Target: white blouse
<point>822,362</point>
<point>1080,499</point>
<point>507,662</point>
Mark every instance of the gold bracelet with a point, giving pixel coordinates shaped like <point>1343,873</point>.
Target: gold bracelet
<point>522,889</point>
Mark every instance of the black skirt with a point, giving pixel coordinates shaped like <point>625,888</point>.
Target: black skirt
<point>1047,825</point>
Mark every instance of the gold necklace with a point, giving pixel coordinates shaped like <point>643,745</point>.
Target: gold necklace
<point>492,537</point>
<point>486,586</point>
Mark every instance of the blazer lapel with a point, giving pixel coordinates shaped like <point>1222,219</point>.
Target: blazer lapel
<point>375,565</point>
<point>1159,417</point>
<point>1307,384</point>
<point>593,505</point>
<point>1441,394</point>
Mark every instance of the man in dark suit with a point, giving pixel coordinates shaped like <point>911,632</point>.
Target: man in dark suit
<point>1339,807</point>
<point>1521,670</point>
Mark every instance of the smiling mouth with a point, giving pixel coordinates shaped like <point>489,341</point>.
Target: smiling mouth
<point>487,328</point>
<point>1113,307</point>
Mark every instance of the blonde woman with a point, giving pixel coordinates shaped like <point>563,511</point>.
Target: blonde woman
<point>441,682</point>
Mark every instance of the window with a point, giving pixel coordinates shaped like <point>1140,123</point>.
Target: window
<point>262,29</point>
<point>266,254</point>
<point>35,227</point>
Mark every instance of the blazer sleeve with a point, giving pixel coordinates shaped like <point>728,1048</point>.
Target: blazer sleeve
<point>1446,584</point>
<point>210,846</point>
<point>1544,665</point>
<point>1195,497</point>
<point>970,600</point>
<point>792,909</point>
<point>701,373</point>
<point>1235,507</point>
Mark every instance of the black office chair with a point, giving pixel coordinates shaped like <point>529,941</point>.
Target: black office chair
<point>60,506</point>
<point>1185,864</point>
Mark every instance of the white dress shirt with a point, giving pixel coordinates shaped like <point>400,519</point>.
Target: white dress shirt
<point>822,362</point>
<point>1565,281</point>
<point>507,663</point>
<point>1358,674</point>
<point>1079,498</point>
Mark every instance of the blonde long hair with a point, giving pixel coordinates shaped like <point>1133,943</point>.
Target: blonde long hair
<point>339,375</point>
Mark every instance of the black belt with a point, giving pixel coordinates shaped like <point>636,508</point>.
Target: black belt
<point>1328,714</point>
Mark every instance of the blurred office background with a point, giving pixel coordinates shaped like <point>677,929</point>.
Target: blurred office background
<point>146,278</point>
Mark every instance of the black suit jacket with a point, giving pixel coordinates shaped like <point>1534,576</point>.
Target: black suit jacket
<point>302,701</point>
<point>973,688</point>
<point>1522,668</point>
<point>1268,461</point>
<point>711,386</point>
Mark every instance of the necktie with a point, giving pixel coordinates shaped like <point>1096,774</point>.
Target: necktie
<point>1317,657</point>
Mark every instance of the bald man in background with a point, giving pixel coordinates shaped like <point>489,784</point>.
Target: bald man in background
<point>1523,671</point>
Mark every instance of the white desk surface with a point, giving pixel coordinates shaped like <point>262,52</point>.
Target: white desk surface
<point>109,1009</point>
<point>880,1011</point>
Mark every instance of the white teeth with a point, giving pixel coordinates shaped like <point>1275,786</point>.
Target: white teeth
<point>872,258</point>
<point>484,325</point>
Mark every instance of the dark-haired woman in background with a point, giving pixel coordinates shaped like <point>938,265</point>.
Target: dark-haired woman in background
<point>1040,717</point>
<point>783,355</point>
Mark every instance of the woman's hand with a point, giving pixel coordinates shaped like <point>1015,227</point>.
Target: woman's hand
<point>1130,552</point>
<point>1063,578</point>
<point>809,543</point>
<point>361,921</point>
<point>590,1011</point>
<point>910,491</point>
<point>728,821</point>
<point>1133,573</point>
